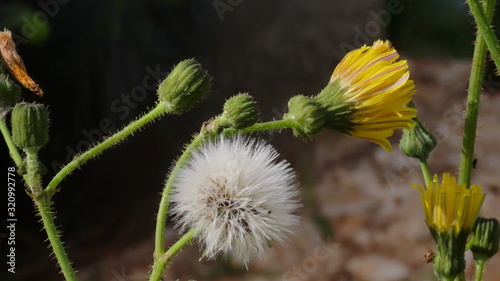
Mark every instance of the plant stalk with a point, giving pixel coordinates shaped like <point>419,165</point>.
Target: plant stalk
<point>43,204</point>
<point>474,94</point>
<point>161,262</point>
<point>79,160</point>
<point>14,153</point>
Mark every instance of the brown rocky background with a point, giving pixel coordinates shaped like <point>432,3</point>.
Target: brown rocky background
<point>361,220</point>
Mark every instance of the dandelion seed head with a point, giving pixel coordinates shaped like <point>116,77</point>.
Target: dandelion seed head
<point>237,197</point>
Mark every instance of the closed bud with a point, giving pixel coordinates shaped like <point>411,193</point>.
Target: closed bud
<point>307,114</point>
<point>30,125</point>
<point>186,84</point>
<point>241,111</point>
<point>10,93</point>
<point>485,238</point>
<point>417,142</point>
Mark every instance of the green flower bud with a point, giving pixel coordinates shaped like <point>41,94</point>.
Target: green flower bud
<point>241,111</point>
<point>449,260</point>
<point>30,125</point>
<point>10,93</point>
<point>186,84</point>
<point>485,238</point>
<point>417,142</point>
<point>307,114</point>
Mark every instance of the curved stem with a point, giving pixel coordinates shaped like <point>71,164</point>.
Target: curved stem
<point>479,270</point>
<point>43,204</point>
<point>161,220</point>
<point>79,160</point>
<point>473,97</point>
<point>161,263</point>
<point>14,153</point>
<point>483,16</point>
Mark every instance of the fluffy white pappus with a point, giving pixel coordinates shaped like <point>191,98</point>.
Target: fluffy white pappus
<point>237,197</point>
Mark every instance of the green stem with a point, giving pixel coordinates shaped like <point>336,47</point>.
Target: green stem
<point>44,208</point>
<point>425,172</point>
<point>161,220</point>
<point>473,97</point>
<point>14,153</point>
<point>266,126</point>
<point>483,16</point>
<point>161,262</point>
<point>43,204</point>
<point>479,270</point>
<point>158,111</point>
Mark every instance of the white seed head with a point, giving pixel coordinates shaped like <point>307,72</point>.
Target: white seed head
<point>236,196</point>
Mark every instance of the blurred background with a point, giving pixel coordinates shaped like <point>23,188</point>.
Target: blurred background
<point>98,63</point>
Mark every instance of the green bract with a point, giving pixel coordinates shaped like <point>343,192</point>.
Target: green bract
<point>186,84</point>
<point>30,125</point>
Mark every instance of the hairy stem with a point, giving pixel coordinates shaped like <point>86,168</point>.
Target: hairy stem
<point>79,160</point>
<point>482,15</point>
<point>43,204</point>
<point>14,153</point>
<point>265,126</point>
<point>161,220</point>
<point>474,94</point>
<point>161,262</point>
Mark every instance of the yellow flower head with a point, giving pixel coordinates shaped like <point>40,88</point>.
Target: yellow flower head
<point>450,206</point>
<point>378,88</point>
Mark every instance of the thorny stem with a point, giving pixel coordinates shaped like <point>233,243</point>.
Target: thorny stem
<point>476,76</point>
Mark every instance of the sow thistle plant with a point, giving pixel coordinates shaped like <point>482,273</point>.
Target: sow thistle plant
<point>229,192</point>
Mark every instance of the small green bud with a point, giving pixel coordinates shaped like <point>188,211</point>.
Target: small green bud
<point>307,114</point>
<point>417,142</point>
<point>186,84</point>
<point>30,125</point>
<point>241,111</point>
<point>485,238</point>
<point>10,93</point>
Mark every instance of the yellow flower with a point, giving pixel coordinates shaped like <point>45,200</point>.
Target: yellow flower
<point>378,88</point>
<point>450,206</point>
